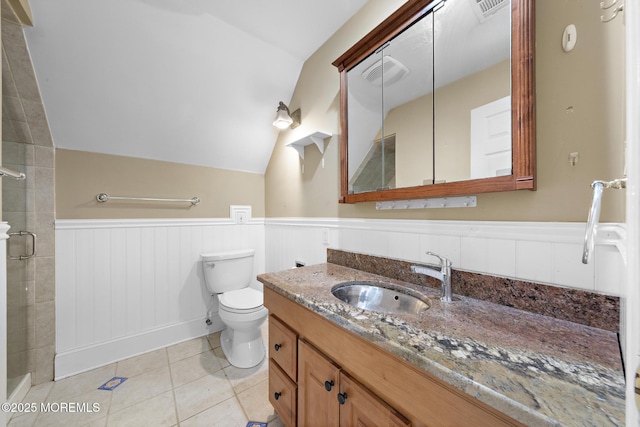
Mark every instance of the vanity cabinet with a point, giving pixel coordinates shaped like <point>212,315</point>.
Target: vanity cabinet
<point>329,397</point>
<point>283,371</point>
<point>362,408</point>
<point>306,388</point>
<point>319,382</point>
<point>378,385</point>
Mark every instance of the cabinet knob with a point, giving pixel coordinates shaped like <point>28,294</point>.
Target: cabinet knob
<point>342,397</point>
<point>277,347</point>
<point>328,385</point>
<point>277,395</point>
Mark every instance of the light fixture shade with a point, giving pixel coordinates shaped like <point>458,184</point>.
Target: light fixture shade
<point>283,119</point>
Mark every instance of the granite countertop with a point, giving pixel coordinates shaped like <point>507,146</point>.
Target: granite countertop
<point>536,369</point>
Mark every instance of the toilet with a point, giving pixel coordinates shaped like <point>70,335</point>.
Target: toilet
<point>241,309</point>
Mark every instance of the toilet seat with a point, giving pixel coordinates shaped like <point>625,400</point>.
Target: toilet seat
<point>246,300</point>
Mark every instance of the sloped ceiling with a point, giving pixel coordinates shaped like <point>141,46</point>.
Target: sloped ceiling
<point>187,81</point>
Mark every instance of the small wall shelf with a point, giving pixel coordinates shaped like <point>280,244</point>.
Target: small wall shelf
<point>315,138</point>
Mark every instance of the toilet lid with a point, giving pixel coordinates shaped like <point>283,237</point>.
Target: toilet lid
<point>242,299</point>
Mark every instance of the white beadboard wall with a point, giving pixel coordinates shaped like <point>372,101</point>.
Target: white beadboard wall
<point>548,253</point>
<point>125,287</point>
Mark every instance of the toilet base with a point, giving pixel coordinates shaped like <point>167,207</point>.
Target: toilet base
<point>242,349</point>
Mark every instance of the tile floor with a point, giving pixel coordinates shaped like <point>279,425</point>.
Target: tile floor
<point>188,384</point>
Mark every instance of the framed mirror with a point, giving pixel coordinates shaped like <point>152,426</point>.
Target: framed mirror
<point>438,100</point>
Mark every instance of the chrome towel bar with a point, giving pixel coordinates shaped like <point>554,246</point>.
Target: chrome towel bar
<point>594,214</point>
<point>12,174</point>
<point>104,197</point>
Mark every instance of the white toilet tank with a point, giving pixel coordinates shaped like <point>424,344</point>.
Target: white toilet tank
<point>228,271</point>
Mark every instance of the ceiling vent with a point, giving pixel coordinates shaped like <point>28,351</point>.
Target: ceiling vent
<point>484,9</point>
<point>392,70</point>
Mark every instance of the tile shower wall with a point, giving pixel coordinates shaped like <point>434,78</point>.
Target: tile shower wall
<point>548,253</point>
<point>125,287</point>
<point>29,204</point>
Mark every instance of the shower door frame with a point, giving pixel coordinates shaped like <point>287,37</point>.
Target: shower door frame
<point>4,227</point>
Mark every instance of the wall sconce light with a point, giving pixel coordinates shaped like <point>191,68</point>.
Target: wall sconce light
<point>284,118</point>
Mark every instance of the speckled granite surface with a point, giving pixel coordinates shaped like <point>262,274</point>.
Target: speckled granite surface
<point>539,370</point>
<point>587,308</point>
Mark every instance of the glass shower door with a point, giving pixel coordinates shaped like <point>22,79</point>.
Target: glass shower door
<point>17,211</point>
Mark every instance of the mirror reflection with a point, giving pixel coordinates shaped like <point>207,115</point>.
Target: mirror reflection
<point>473,90</point>
<point>446,78</point>
<point>390,94</point>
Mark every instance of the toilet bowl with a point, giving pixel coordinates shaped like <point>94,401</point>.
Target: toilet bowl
<point>241,341</point>
<point>228,276</point>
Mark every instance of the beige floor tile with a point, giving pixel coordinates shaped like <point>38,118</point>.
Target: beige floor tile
<point>203,393</point>
<point>144,363</point>
<point>81,384</point>
<point>226,413</point>
<point>222,359</point>
<point>100,422</point>
<point>38,393</point>
<point>241,379</point>
<point>158,411</point>
<point>141,387</point>
<point>188,348</point>
<point>276,422</point>
<point>57,416</point>
<point>23,420</point>
<point>255,402</point>
<point>194,367</point>
<point>214,339</point>
<point>206,391</point>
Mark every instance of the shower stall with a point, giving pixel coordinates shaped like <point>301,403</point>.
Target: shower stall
<point>28,209</point>
<point>21,247</point>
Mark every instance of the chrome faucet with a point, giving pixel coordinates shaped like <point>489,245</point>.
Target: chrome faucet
<point>444,275</point>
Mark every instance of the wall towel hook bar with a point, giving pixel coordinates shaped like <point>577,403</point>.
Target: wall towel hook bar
<point>104,197</point>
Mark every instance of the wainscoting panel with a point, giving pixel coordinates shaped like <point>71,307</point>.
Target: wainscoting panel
<point>303,240</point>
<point>548,253</point>
<point>125,287</point>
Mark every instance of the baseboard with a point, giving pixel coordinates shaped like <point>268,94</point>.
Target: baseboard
<point>91,357</point>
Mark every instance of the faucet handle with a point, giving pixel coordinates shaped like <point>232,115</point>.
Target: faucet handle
<point>444,261</point>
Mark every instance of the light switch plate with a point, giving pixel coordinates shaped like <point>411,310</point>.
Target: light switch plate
<point>240,214</point>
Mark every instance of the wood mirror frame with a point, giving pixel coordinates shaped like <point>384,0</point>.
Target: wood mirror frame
<point>522,107</point>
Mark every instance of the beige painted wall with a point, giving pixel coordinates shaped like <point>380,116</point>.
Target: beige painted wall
<point>80,176</point>
<point>579,109</point>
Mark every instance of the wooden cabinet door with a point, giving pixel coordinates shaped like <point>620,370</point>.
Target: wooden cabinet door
<point>317,388</point>
<point>359,407</point>
<point>282,394</point>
